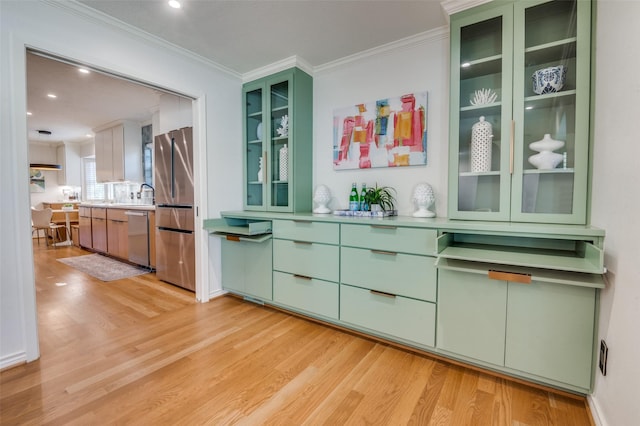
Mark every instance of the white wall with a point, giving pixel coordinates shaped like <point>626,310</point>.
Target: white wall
<point>616,206</point>
<point>46,154</point>
<point>422,64</point>
<point>53,27</point>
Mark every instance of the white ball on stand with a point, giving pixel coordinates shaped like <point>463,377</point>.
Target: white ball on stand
<point>424,197</point>
<point>322,196</point>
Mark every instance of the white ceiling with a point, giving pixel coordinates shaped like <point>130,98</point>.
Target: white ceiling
<point>241,35</point>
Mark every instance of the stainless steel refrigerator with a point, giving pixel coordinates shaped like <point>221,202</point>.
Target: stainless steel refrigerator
<point>175,241</point>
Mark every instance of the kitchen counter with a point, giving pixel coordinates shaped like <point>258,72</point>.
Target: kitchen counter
<point>120,206</point>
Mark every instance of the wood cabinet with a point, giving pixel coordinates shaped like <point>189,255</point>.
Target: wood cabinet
<point>68,156</point>
<point>99,229</point>
<point>85,233</point>
<point>152,239</point>
<point>117,234</point>
<point>277,134</point>
<point>119,153</point>
<point>493,174</point>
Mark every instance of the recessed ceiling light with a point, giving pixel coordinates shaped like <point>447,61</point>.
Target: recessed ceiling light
<point>83,70</point>
<point>175,4</point>
<point>29,113</point>
<point>89,135</point>
<point>51,95</point>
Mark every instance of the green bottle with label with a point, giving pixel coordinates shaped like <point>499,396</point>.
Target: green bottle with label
<point>363,204</point>
<point>354,202</point>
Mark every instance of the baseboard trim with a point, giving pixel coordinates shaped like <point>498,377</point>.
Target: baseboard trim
<point>13,360</point>
<point>595,411</point>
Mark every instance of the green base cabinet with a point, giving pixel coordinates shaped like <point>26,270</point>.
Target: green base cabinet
<point>310,295</point>
<point>543,330</point>
<point>247,267</point>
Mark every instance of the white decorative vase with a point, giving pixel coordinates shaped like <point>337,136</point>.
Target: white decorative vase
<point>284,163</point>
<point>322,196</point>
<point>424,197</point>
<point>481,137</point>
<point>546,159</point>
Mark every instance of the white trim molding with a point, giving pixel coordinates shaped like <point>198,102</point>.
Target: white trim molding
<point>595,411</point>
<point>455,6</point>
<point>281,65</point>
<point>13,360</point>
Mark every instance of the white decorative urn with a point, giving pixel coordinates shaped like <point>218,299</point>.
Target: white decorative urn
<point>321,197</point>
<point>481,139</point>
<point>423,197</point>
<point>546,159</point>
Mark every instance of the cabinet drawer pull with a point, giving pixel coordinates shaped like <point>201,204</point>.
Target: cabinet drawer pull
<point>509,276</point>
<point>382,293</point>
<point>302,242</point>
<point>384,227</point>
<point>389,253</point>
<point>304,277</point>
<point>233,238</point>
<point>301,221</point>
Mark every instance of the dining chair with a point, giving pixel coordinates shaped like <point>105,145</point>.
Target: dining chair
<point>41,220</point>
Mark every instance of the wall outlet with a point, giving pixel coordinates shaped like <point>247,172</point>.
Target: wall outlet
<point>604,353</point>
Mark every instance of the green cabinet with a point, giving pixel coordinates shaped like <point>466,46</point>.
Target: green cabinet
<point>540,330</point>
<point>247,265</point>
<point>306,259</point>
<point>277,133</point>
<point>495,173</point>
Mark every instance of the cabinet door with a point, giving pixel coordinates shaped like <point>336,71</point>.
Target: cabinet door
<point>85,231</point>
<point>99,234</point>
<point>471,316</point>
<point>481,115</point>
<point>117,152</point>
<point>279,190</point>
<point>550,178</point>
<point>104,156</point>
<point>255,167</point>
<point>247,267</point>
<point>550,331</point>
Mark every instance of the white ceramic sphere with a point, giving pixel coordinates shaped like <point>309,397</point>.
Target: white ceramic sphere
<point>424,197</point>
<point>322,196</point>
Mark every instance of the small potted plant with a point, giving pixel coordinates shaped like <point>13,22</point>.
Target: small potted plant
<point>380,198</point>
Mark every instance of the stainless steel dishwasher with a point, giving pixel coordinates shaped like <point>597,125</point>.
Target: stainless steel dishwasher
<point>138,233</point>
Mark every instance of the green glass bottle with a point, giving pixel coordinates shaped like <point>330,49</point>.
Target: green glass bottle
<point>363,204</point>
<point>354,203</point>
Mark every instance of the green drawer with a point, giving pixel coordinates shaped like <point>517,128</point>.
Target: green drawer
<point>306,294</point>
<point>308,259</point>
<point>304,230</point>
<point>400,317</point>
<point>390,238</point>
<point>401,274</point>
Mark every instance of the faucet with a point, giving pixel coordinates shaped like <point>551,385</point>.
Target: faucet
<point>153,191</point>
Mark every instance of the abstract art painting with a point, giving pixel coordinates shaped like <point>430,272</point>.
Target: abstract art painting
<point>388,132</point>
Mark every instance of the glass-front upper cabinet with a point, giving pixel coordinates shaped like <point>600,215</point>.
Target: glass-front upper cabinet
<point>277,134</point>
<point>519,122</point>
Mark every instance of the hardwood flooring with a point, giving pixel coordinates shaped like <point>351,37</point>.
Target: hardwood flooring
<point>139,351</point>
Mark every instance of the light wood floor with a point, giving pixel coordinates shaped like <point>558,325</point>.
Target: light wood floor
<point>139,351</point>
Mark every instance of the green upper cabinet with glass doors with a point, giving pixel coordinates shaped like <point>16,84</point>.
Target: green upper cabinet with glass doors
<point>499,52</point>
<point>277,133</point>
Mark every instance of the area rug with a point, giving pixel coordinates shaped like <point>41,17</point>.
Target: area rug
<point>102,267</point>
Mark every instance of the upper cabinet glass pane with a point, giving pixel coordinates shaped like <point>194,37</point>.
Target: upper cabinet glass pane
<point>254,132</point>
<point>280,122</point>
<point>549,110</point>
<point>480,116</point>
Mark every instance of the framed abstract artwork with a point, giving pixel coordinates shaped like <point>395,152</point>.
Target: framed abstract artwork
<point>388,132</point>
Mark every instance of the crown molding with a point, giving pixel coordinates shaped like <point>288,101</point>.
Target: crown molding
<point>405,43</point>
<point>455,6</point>
<point>86,12</point>
<point>290,62</point>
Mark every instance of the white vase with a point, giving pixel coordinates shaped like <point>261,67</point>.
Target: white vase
<point>546,159</point>
<point>481,137</point>
<point>284,163</point>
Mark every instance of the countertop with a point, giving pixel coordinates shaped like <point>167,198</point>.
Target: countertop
<point>120,206</point>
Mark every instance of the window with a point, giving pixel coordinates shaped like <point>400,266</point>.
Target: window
<point>92,189</point>
<point>147,154</point>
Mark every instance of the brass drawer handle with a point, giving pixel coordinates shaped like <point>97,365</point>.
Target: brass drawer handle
<point>301,221</point>
<point>384,227</point>
<point>382,293</point>
<point>304,277</point>
<point>233,238</point>
<point>302,242</point>
<point>389,253</point>
<point>509,276</point>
